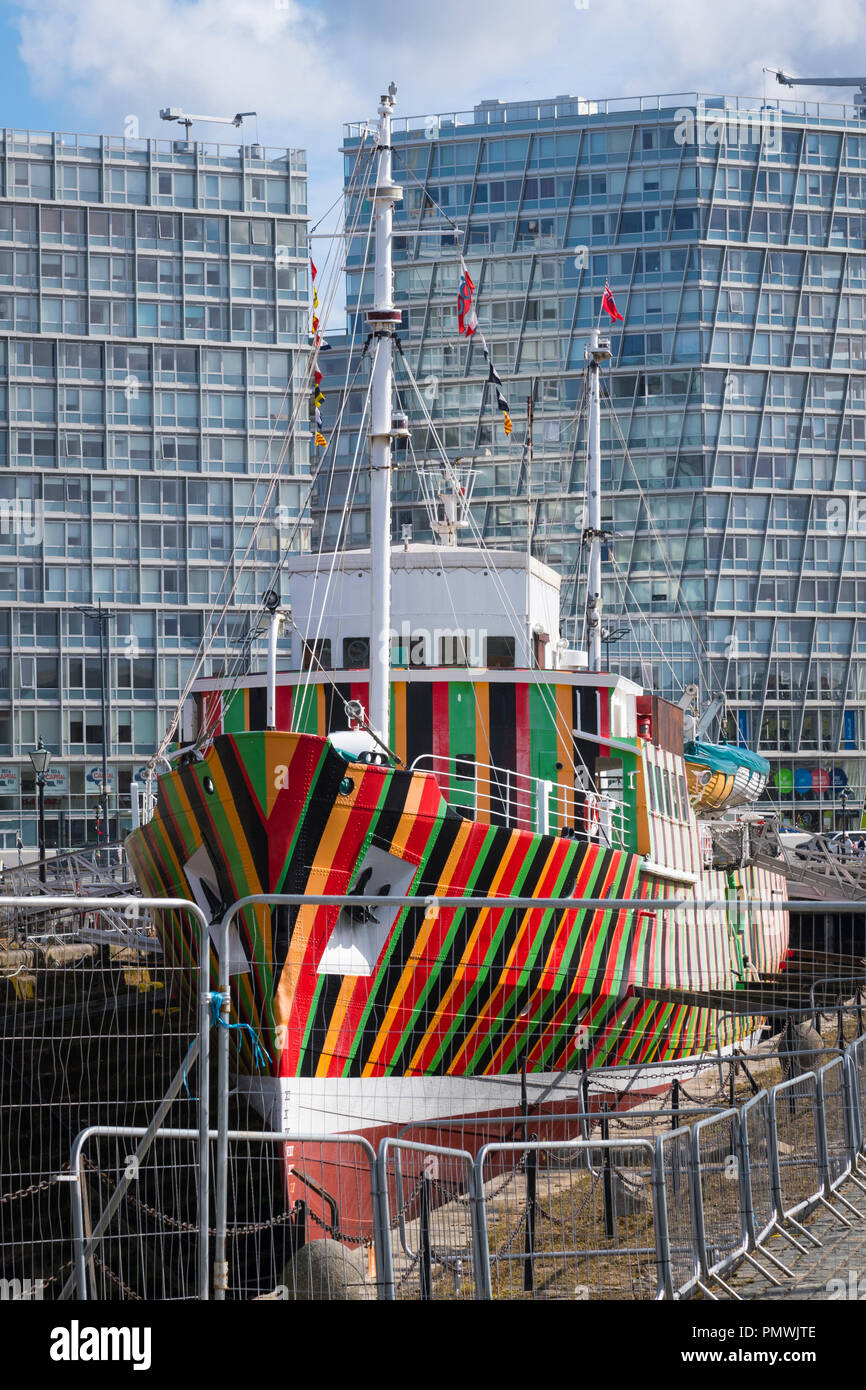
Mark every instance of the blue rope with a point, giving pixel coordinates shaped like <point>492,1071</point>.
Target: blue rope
<point>260,1054</point>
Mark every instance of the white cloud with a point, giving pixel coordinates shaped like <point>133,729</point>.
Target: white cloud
<point>309,69</point>
<point>216,56</point>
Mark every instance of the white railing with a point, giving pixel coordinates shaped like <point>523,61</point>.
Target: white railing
<point>501,796</point>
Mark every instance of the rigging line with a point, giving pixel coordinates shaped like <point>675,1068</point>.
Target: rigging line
<point>322,602</point>
<point>626,590</point>
<point>286,550</point>
<point>207,640</point>
<point>566,732</point>
<point>696,634</point>
<point>425,190</point>
<point>699,656</point>
<point>516,620</point>
<point>234,674</point>
<point>344,514</point>
<point>343,193</point>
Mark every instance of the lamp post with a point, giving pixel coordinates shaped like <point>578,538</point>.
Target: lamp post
<point>845,797</point>
<point>101,616</point>
<point>41,760</point>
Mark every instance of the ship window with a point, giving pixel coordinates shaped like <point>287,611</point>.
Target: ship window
<point>454,649</point>
<point>356,652</point>
<point>623,715</point>
<point>316,654</point>
<point>500,653</point>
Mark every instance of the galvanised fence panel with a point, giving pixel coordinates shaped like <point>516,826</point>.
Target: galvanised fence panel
<point>145,1245</point>
<point>579,1221</point>
<point>97,1026</point>
<point>857,1054</point>
<point>757,1152</point>
<point>679,1245</point>
<point>720,1208</point>
<point>427,1215</point>
<point>795,1118</point>
<point>834,1102</point>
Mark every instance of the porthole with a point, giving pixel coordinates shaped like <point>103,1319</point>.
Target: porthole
<point>208,785</point>
<point>346,786</point>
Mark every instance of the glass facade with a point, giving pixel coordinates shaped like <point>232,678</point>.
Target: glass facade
<point>734,240</point>
<point>153,324</point>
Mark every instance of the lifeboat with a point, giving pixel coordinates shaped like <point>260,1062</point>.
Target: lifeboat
<point>722,777</point>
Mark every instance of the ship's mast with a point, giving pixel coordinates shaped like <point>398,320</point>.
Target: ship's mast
<point>598,352</point>
<point>383,318</point>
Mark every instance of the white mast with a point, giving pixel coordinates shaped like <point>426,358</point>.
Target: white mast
<point>599,351</point>
<point>382,318</point>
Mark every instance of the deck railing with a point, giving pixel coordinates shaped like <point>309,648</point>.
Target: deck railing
<point>501,796</point>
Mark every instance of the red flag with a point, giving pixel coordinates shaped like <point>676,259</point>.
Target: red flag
<point>608,305</point>
<point>465,320</point>
<point>313,267</point>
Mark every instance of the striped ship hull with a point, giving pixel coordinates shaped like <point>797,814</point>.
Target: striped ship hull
<point>375,1020</point>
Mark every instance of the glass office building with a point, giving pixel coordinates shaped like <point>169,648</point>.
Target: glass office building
<point>734,239</point>
<point>153,319</point>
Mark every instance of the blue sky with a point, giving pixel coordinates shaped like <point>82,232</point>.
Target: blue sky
<point>88,65</point>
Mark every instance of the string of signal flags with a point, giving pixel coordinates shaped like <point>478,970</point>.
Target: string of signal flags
<point>467,326</point>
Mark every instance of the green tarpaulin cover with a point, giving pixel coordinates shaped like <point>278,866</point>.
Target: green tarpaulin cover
<point>725,757</point>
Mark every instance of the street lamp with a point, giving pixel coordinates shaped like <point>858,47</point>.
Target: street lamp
<point>41,760</point>
<point>845,796</point>
<point>101,616</point>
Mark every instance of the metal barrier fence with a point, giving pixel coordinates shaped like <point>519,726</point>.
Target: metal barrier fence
<point>648,1208</point>
<point>582,1224</point>
<point>857,1053</point>
<point>681,1269</point>
<point>428,1196</point>
<point>142,1247</point>
<point>90,1032</point>
<point>795,1122</point>
<point>717,1184</point>
<point>588,1219</point>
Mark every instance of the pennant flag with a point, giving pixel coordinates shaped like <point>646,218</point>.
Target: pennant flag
<point>318,416</point>
<point>318,376</point>
<point>501,401</point>
<point>313,267</point>
<point>315,300</point>
<point>464,305</point>
<point>321,441</point>
<point>608,305</point>
<point>506,419</point>
<point>492,375</point>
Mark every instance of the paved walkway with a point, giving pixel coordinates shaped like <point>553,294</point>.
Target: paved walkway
<point>835,1271</point>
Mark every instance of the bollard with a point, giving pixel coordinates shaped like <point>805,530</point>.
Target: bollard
<point>529,1234</point>
<point>607,1183</point>
<point>425,1252</point>
<point>675,1121</point>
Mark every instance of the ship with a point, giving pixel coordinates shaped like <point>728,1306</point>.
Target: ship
<point>521,770</point>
